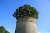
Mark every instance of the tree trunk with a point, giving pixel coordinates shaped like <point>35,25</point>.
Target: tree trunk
<point>26,25</point>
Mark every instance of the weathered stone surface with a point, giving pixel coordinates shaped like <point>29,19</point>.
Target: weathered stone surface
<point>26,25</point>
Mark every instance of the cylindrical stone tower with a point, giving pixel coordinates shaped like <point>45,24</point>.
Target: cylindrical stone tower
<point>26,25</point>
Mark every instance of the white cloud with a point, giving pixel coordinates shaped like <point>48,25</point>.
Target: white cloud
<point>43,32</point>
<point>8,30</point>
<point>11,32</point>
<point>38,32</point>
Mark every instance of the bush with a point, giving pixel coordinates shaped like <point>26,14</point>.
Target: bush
<point>2,30</point>
<point>26,10</point>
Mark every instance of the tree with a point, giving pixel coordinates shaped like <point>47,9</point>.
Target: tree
<point>26,10</point>
<point>2,30</point>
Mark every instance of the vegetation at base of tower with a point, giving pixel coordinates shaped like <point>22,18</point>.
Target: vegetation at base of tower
<point>26,10</point>
<point>2,30</point>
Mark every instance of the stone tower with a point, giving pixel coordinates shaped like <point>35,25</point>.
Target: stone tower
<point>26,25</point>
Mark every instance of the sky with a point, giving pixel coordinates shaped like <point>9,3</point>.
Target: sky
<point>8,7</point>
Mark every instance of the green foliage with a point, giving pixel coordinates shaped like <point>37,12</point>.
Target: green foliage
<point>2,30</point>
<point>6,31</point>
<point>26,10</point>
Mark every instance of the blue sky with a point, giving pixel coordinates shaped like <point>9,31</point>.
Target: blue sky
<point>8,7</point>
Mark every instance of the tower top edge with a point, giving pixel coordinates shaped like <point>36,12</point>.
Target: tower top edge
<point>26,18</point>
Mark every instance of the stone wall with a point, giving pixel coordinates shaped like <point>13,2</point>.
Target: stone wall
<point>26,25</point>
